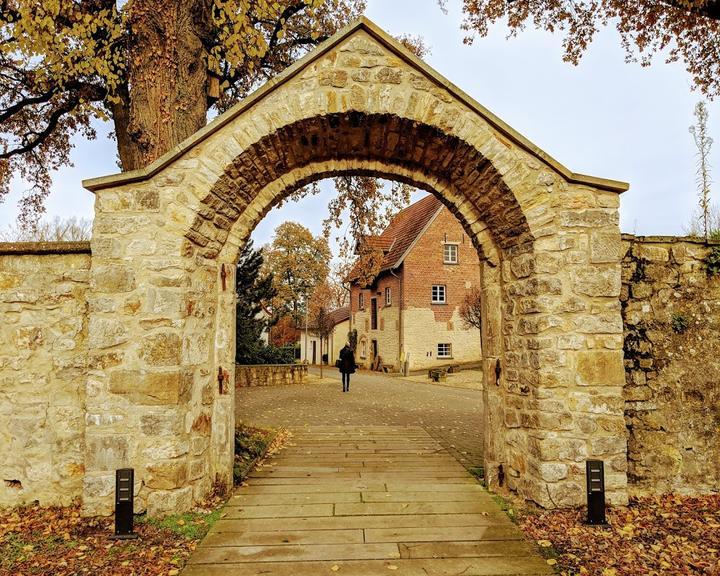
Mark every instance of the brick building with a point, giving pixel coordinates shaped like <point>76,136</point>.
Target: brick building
<point>411,311</point>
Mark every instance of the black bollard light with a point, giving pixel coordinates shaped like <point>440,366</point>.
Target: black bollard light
<point>595,474</point>
<point>124,485</point>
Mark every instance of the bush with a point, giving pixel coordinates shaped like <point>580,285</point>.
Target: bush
<point>250,445</point>
<point>269,355</point>
<point>712,262</point>
<point>277,354</point>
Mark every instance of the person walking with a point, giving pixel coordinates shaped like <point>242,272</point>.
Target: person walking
<point>346,363</point>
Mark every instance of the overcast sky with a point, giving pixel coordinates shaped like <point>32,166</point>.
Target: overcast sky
<point>605,118</point>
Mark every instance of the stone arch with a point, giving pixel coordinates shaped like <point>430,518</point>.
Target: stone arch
<point>165,238</point>
<point>419,150</point>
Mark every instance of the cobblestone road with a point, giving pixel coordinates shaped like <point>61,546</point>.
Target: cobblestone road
<point>450,415</point>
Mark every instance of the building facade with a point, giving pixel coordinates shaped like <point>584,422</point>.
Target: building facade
<point>411,312</point>
<point>310,348</point>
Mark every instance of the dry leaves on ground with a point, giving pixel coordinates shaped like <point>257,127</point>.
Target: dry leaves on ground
<point>663,536</point>
<point>59,542</point>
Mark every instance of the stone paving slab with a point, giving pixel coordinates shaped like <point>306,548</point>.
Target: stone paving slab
<point>317,498</point>
<point>284,537</point>
<point>291,552</point>
<point>419,515</point>
<point>427,496</point>
<point>503,531</point>
<point>402,567</point>
<point>273,511</point>
<point>439,521</point>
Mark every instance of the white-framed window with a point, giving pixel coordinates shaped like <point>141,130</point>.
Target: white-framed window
<point>363,348</point>
<point>450,253</point>
<point>388,296</point>
<point>444,350</point>
<point>438,294</point>
<point>361,301</point>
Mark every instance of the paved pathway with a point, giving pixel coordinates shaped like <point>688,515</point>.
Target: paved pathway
<point>363,501</point>
<point>452,416</point>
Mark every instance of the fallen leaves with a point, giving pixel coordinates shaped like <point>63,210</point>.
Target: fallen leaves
<point>662,536</point>
<point>60,542</point>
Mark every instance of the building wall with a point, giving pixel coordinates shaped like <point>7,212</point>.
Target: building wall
<point>671,315</point>
<point>308,343</point>
<point>43,368</point>
<point>425,324</point>
<point>337,340</point>
<point>387,333</point>
<point>330,346</point>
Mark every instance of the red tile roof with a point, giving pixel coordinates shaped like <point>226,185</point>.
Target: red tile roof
<point>339,315</point>
<point>403,231</point>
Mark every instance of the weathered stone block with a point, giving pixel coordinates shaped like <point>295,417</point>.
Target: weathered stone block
<point>163,502</point>
<point>167,474</point>
<point>113,278</point>
<point>106,332</point>
<point>598,281</point>
<point>146,388</point>
<point>600,368</point>
<point>162,349</point>
<point>106,452</point>
<point>605,247</point>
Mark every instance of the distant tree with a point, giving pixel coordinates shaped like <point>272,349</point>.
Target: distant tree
<point>689,30</point>
<point>71,229</point>
<point>703,143</point>
<point>255,291</point>
<point>284,332</point>
<point>471,309</point>
<point>299,262</point>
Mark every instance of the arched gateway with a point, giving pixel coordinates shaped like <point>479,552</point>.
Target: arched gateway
<point>165,241</point>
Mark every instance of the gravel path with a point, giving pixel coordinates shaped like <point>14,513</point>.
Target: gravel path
<point>450,415</point>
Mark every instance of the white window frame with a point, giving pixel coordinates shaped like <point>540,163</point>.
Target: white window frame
<point>388,296</point>
<point>447,346</point>
<point>361,301</point>
<point>447,259</point>
<point>363,349</point>
<point>437,291</point>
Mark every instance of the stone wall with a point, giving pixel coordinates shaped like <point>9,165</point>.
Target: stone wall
<point>270,375</point>
<point>43,330</point>
<point>671,313</point>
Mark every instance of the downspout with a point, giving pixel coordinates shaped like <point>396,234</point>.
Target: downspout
<point>401,305</point>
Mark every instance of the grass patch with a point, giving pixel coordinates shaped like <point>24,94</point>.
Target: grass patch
<point>251,444</point>
<point>14,549</point>
<point>191,525</point>
<point>505,505</point>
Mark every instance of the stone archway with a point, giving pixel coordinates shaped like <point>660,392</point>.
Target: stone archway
<point>165,242</point>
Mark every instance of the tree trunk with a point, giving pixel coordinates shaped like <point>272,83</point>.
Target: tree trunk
<point>166,98</point>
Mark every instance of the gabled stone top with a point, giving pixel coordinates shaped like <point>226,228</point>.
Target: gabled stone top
<point>362,25</point>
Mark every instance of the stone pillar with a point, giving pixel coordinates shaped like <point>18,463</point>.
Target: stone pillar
<point>564,360</point>
<point>152,393</point>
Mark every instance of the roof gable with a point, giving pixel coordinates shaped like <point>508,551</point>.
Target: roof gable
<point>403,232</point>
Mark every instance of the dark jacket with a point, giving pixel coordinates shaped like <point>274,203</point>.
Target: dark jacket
<point>347,361</point>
